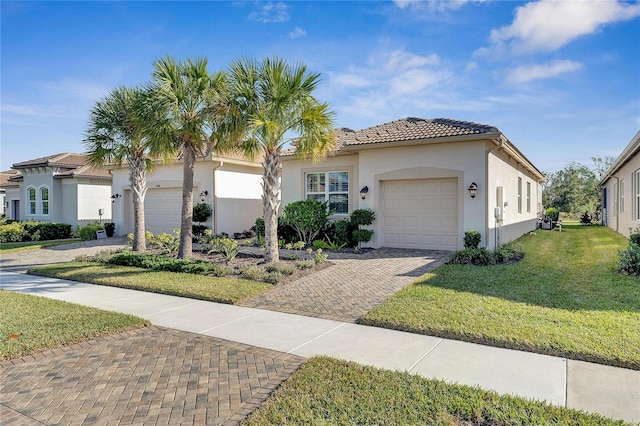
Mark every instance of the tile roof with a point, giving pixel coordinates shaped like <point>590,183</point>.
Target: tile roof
<point>9,176</point>
<point>412,128</point>
<point>407,129</point>
<point>86,172</point>
<point>64,159</point>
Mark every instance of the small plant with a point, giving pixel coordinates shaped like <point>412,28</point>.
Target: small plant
<point>472,239</point>
<point>227,246</point>
<point>320,244</point>
<point>273,277</point>
<point>167,243</point>
<point>283,268</point>
<point>110,229</point>
<point>88,232</point>
<point>629,260</point>
<point>320,257</point>
<point>253,273</point>
<point>202,212</point>
<point>258,227</point>
<point>305,264</point>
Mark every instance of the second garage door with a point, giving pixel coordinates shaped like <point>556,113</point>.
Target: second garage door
<point>420,214</point>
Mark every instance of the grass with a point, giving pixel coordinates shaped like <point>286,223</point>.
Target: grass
<point>30,323</point>
<point>326,391</point>
<point>214,289</point>
<point>31,245</point>
<point>565,298</point>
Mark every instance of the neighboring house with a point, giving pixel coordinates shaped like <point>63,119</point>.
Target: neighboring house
<point>231,185</point>
<point>621,190</point>
<point>60,188</point>
<point>4,185</point>
<point>428,181</point>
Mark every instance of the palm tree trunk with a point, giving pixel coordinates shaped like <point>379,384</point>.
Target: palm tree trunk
<point>271,205</point>
<point>138,182</point>
<point>186,246</point>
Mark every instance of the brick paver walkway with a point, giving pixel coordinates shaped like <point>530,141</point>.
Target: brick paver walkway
<point>145,376</point>
<point>352,287</point>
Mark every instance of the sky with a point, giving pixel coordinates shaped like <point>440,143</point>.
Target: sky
<point>560,79</point>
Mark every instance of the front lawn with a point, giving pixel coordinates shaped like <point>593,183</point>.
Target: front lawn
<point>213,289</point>
<point>326,391</point>
<point>565,298</point>
<point>30,323</point>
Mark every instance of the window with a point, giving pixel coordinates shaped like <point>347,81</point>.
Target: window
<point>519,195</point>
<point>636,194</point>
<point>329,186</point>
<point>32,200</point>
<point>528,197</point>
<point>44,198</point>
<point>621,195</point>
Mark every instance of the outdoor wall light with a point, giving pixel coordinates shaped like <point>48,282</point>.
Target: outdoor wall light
<point>114,197</point>
<point>363,192</point>
<point>473,189</point>
<point>203,194</point>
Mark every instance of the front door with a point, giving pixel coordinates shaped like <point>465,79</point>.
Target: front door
<point>15,209</point>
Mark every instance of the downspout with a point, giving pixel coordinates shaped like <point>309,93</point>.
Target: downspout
<point>486,192</point>
<point>617,203</point>
<point>214,197</point>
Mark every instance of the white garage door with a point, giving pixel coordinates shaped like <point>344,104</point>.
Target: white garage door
<point>420,214</point>
<point>162,209</point>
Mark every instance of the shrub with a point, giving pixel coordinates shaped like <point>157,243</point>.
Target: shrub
<point>472,239</point>
<point>305,264</point>
<point>165,242</point>
<point>320,257</point>
<point>552,213</point>
<point>202,212</point>
<point>307,217</point>
<point>629,260</point>
<point>362,235</point>
<point>88,232</point>
<point>110,229</point>
<point>30,228</point>
<point>342,233</point>
<point>273,277</point>
<point>258,227</point>
<point>198,231</point>
<point>482,257</point>
<point>160,262</point>
<point>228,247</point>
<point>55,231</point>
<point>283,268</point>
<point>12,232</point>
<point>362,217</point>
<point>254,273</point>
<point>635,236</point>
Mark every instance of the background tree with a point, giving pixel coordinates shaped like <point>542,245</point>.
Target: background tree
<point>275,105</point>
<point>117,133</point>
<point>186,93</point>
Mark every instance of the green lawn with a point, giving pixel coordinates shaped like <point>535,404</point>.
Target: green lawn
<point>564,298</point>
<point>30,245</point>
<point>214,289</point>
<point>29,323</point>
<point>326,391</point>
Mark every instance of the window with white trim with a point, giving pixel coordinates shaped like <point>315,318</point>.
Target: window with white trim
<point>519,195</point>
<point>31,192</point>
<point>621,195</point>
<point>528,197</point>
<point>332,187</point>
<point>636,194</point>
<point>44,199</point>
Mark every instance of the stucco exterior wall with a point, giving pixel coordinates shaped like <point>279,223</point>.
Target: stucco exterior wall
<point>91,199</point>
<point>39,181</point>
<point>503,172</point>
<point>12,196</point>
<point>233,191</point>
<point>621,213</point>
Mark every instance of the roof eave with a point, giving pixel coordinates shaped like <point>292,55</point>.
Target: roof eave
<point>629,151</point>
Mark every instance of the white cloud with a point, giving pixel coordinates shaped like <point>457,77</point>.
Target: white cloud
<point>525,73</point>
<point>297,33</point>
<point>271,13</point>
<point>400,60</point>
<point>547,25</point>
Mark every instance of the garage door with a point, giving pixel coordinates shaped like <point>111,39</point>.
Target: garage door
<point>162,209</point>
<point>420,214</point>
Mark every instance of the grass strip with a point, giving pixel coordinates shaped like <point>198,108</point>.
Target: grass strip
<point>30,324</point>
<point>6,248</point>
<point>326,391</point>
<point>213,289</point>
<point>565,298</point>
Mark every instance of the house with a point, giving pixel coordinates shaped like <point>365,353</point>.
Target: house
<point>428,181</point>
<point>4,184</point>
<point>230,184</point>
<point>621,190</point>
<point>60,188</point>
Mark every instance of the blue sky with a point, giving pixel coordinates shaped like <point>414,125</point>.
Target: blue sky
<point>561,79</point>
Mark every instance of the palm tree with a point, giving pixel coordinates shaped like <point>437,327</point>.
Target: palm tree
<point>276,101</point>
<point>117,134</point>
<point>186,93</point>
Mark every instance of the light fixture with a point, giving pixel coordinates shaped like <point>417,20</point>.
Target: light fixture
<point>203,194</point>
<point>114,197</point>
<point>473,189</point>
<point>363,192</point>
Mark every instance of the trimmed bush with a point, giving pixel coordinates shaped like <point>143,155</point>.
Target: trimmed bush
<point>362,217</point>
<point>160,262</point>
<point>362,235</point>
<point>629,260</point>
<point>507,253</point>
<point>12,232</point>
<point>202,212</point>
<point>472,239</point>
<point>55,231</point>
<point>110,229</point>
<point>307,217</point>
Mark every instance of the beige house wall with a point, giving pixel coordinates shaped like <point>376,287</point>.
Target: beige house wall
<point>621,213</point>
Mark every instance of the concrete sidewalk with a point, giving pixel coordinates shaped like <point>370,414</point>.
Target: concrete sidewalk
<point>613,392</point>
